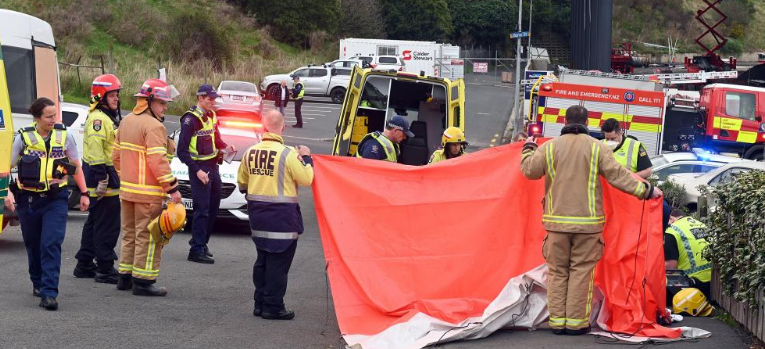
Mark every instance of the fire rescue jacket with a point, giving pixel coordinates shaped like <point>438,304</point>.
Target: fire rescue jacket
<point>38,162</point>
<point>627,154</point>
<point>202,146</point>
<point>299,90</point>
<point>440,155</point>
<point>390,148</point>
<point>139,156</point>
<point>97,153</point>
<point>690,235</point>
<point>269,174</point>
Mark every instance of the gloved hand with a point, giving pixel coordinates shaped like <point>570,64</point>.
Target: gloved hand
<point>101,188</point>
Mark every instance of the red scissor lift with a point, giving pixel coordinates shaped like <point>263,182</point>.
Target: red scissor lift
<point>710,61</point>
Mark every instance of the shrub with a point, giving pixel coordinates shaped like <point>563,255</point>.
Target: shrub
<point>737,235</point>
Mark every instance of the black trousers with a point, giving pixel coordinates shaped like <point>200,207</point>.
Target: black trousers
<point>101,232</point>
<point>269,274</point>
<point>299,112</point>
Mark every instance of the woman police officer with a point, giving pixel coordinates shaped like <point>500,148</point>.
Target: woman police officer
<point>40,152</point>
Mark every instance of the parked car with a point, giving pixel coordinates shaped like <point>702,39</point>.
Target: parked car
<point>233,205</point>
<point>320,81</point>
<point>388,63</point>
<point>239,92</point>
<point>687,162</point>
<point>719,176</point>
<point>345,63</point>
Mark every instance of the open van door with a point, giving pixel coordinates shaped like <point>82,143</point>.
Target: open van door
<point>46,74</point>
<point>456,115</point>
<point>6,140</point>
<point>345,136</point>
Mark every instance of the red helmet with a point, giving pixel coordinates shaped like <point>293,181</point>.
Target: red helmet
<point>104,84</point>
<point>156,88</point>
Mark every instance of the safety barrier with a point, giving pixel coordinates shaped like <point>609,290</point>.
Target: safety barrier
<point>752,318</point>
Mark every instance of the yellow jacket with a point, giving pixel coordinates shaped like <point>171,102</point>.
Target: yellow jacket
<point>271,171</point>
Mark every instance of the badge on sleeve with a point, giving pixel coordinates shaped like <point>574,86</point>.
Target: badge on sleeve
<point>187,121</point>
<point>97,125</point>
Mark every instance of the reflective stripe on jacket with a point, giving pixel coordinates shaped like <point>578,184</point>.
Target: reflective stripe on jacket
<point>270,173</point>
<point>141,145</point>
<point>572,165</point>
<point>202,146</point>
<point>39,158</point>
<point>690,236</point>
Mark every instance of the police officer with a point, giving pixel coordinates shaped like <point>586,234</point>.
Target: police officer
<point>102,229</point>
<point>269,174</point>
<point>44,153</point>
<point>298,91</point>
<point>573,214</point>
<point>629,152</point>
<point>385,145</point>
<point>684,243</point>
<point>199,147</point>
<point>453,145</point>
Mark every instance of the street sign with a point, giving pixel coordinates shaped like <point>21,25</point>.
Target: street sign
<point>480,67</point>
<point>518,35</point>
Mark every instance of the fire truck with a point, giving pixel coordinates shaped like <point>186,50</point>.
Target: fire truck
<point>659,110</point>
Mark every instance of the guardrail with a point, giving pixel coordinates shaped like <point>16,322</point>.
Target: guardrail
<point>753,319</point>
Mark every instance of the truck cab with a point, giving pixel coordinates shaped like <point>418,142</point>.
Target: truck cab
<point>431,104</point>
<point>733,119</point>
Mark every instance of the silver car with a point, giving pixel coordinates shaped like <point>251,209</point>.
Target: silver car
<point>239,92</point>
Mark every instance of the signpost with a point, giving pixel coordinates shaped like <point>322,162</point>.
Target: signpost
<point>480,67</point>
<point>518,35</point>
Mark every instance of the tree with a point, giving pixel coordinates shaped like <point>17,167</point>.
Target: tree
<point>483,22</point>
<point>294,21</point>
<point>417,19</point>
<point>362,19</point>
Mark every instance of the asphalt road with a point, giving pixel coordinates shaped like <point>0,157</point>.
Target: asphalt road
<point>210,306</point>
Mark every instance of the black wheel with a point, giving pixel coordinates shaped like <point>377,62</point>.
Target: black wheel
<point>272,92</point>
<point>74,197</point>
<point>337,95</point>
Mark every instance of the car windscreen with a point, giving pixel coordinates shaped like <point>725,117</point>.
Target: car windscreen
<point>238,86</point>
<point>658,160</point>
<point>388,60</point>
<point>240,141</point>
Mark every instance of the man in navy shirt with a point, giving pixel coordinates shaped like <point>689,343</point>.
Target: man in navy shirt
<point>199,147</point>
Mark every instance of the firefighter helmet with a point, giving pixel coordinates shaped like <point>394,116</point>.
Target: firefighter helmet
<point>453,135</point>
<point>692,302</point>
<point>156,88</point>
<point>104,84</point>
<point>171,220</point>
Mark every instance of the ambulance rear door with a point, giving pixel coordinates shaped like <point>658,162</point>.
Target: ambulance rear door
<point>345,123</point>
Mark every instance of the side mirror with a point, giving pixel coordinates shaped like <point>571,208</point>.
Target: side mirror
<point>333,72</point>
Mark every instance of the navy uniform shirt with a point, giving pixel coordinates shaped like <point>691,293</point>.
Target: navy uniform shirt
<point>190,124</point>
<point>372,149</point>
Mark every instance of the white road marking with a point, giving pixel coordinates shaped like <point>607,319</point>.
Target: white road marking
<point>309,139</point>
<point>482,113</point>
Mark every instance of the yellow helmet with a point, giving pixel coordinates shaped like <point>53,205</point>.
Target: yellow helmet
<point>691,301</point>
<point>171,220</point>
<point>453,135</point>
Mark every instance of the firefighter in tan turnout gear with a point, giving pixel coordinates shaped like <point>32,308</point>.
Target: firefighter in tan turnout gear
<point>145,181</point>
<point>573,214</point>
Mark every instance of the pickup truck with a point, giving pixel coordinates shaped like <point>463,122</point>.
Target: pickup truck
<point>322,81</point>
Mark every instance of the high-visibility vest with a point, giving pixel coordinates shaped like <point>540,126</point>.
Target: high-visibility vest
<point>205,134</point>
<point>302,90</point>
<point>36,155</point>
<point>438,156</point>
<point>391,149</point>
<point>690,236</point>
<point>627,154</point>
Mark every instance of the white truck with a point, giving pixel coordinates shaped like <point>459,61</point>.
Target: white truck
<point>430,57</point>
<point>322,80</point>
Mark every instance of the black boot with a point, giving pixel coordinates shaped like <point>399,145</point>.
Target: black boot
<point>144,289</point>
<point>49,303</point>
<point>125,282</point>
<point>258,309</point>
<point>35,291</point>
<point>284,314</point>
<point>85,270</point>
<point>578,332</point>
<point>201,258</point>
<point>207,252</point>
<point>107,274</point>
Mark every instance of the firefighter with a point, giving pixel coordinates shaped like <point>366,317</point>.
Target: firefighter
<point>269,174</point>
<point>683,246</point>
<point>298,91</point>
<point>145,182</point>
<point>101,230</point>
<point>453,145</point>
<point>573,214</point>
<point>45,154</point>
<point>629,152</point>
<point>199,147</point>
<point>385,145</point>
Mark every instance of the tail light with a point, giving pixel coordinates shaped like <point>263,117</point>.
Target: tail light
<point>547,87</point>
<point>373,66</point>
<point>241,124</point>
<point>400,68</point>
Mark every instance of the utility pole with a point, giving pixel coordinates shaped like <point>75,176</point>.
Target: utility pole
<point>516,107</point>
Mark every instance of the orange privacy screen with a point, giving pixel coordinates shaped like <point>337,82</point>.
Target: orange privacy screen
<point>444,240</point>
